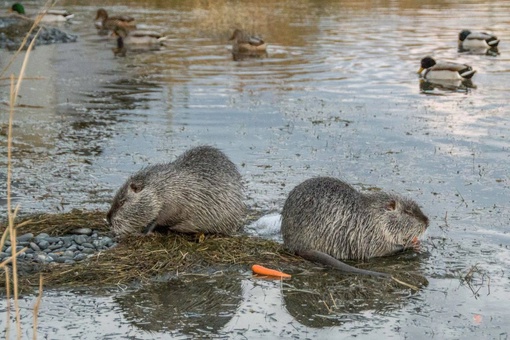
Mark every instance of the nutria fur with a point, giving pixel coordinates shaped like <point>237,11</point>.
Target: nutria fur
<point>324,216</point>
<point>199,192</point>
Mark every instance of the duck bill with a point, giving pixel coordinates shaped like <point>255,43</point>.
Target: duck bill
<point>420,70</point>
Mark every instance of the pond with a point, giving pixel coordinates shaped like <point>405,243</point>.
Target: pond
<point>337,94</point>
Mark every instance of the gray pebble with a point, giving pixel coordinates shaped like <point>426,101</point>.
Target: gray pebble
<point>7,242</point>
<point>88,251</point>
<point>9,249</point>
<point>70,262</point>
<point>68,253</point>
<point>72,247</point>
<point>63,259</point>
<point>52,240</point>
<point>25,237</point>
<point>88,245</point>
<point>105,242</point>
<point>34,246</point>
<point>67,241</point>
<point>79,239</point>
<point>82,231</point>
<point>54,246</point>
<point>43,258</point>
<point>23,243</point>
<point>43,244</point>
<point>79,257</point>
<point>29,251</point>
<point>42,235</point>
<point>54,256</point>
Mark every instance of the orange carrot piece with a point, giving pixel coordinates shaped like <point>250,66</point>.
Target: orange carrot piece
<point>258,269</point>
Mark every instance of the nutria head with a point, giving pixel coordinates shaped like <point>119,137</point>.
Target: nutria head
<point>394,221</point>
<point>135,206</point>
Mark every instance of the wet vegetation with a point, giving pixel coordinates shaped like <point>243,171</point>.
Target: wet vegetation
<point>142,259</point>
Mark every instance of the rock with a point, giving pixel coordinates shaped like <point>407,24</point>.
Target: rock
<point>42,236</point>
<point>25,237</point>
<point>67,241</point>
<point>34,246</point>
<point>79,239</point>
<point>82,231</point>
<point>43,258</point>
<point>54,246</point>
<point>88,245</point>
<point>43,244</point>
<point>52,240</point>
<point>72,248</point>
<point>79,257</point>
<point>68,253</point>
<point>88,251</point>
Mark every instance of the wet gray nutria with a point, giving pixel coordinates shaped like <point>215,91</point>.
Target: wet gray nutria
<point>326,220</point>
<point>199,192</point>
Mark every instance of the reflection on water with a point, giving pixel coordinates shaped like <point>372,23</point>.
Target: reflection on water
<point>191,306</point>
<point>336,95</point>
<point>461,86</point>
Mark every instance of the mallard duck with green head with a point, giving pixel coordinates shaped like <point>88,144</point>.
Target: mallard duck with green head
<point>444,70</point>
<point>243,42</point>
<point>472,40</point>
<point>105,22</point>
<point>51,15</point>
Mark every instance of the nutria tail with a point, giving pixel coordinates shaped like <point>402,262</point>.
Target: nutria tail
<point>320,257</point>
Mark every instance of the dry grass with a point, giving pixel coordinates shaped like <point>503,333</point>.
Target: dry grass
<point>141,259</point>
<point>11,231</point>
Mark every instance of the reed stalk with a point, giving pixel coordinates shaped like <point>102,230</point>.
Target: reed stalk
<point>15,85</point>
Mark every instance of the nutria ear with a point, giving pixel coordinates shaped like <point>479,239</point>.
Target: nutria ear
<point>392,205</point>
<point>136,187</point>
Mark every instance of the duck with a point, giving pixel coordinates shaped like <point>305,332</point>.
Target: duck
<point>50,15</point>
<point>105,22</point>
<point>445,70</point>
<point>137,37</point>
<point>471,39</point>
<point>243,42</point>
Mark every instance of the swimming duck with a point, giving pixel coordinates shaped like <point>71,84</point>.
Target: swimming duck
<point>243,42</point>
<point>137,37</point>
<point>103,21</point>
<point>445,70</point>
<point>51,15</point>
<point>469,39</point>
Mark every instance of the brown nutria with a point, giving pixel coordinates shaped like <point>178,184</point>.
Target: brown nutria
<point>199,192</point>
<point>326,220</point>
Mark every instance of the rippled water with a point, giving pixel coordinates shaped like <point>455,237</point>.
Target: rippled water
<point>338,95</point>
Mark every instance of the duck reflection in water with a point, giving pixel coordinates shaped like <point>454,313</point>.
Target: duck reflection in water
<point>246,46</point>
<point>136,40</point>
<point>460,86</point>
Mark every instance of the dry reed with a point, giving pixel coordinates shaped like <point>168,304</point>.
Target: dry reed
<point>11,230</point>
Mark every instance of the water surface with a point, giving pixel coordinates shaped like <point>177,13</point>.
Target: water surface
<point>336,95</point>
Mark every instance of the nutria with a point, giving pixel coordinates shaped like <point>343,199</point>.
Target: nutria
<point>199,192</point>
<point>326,220</point>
